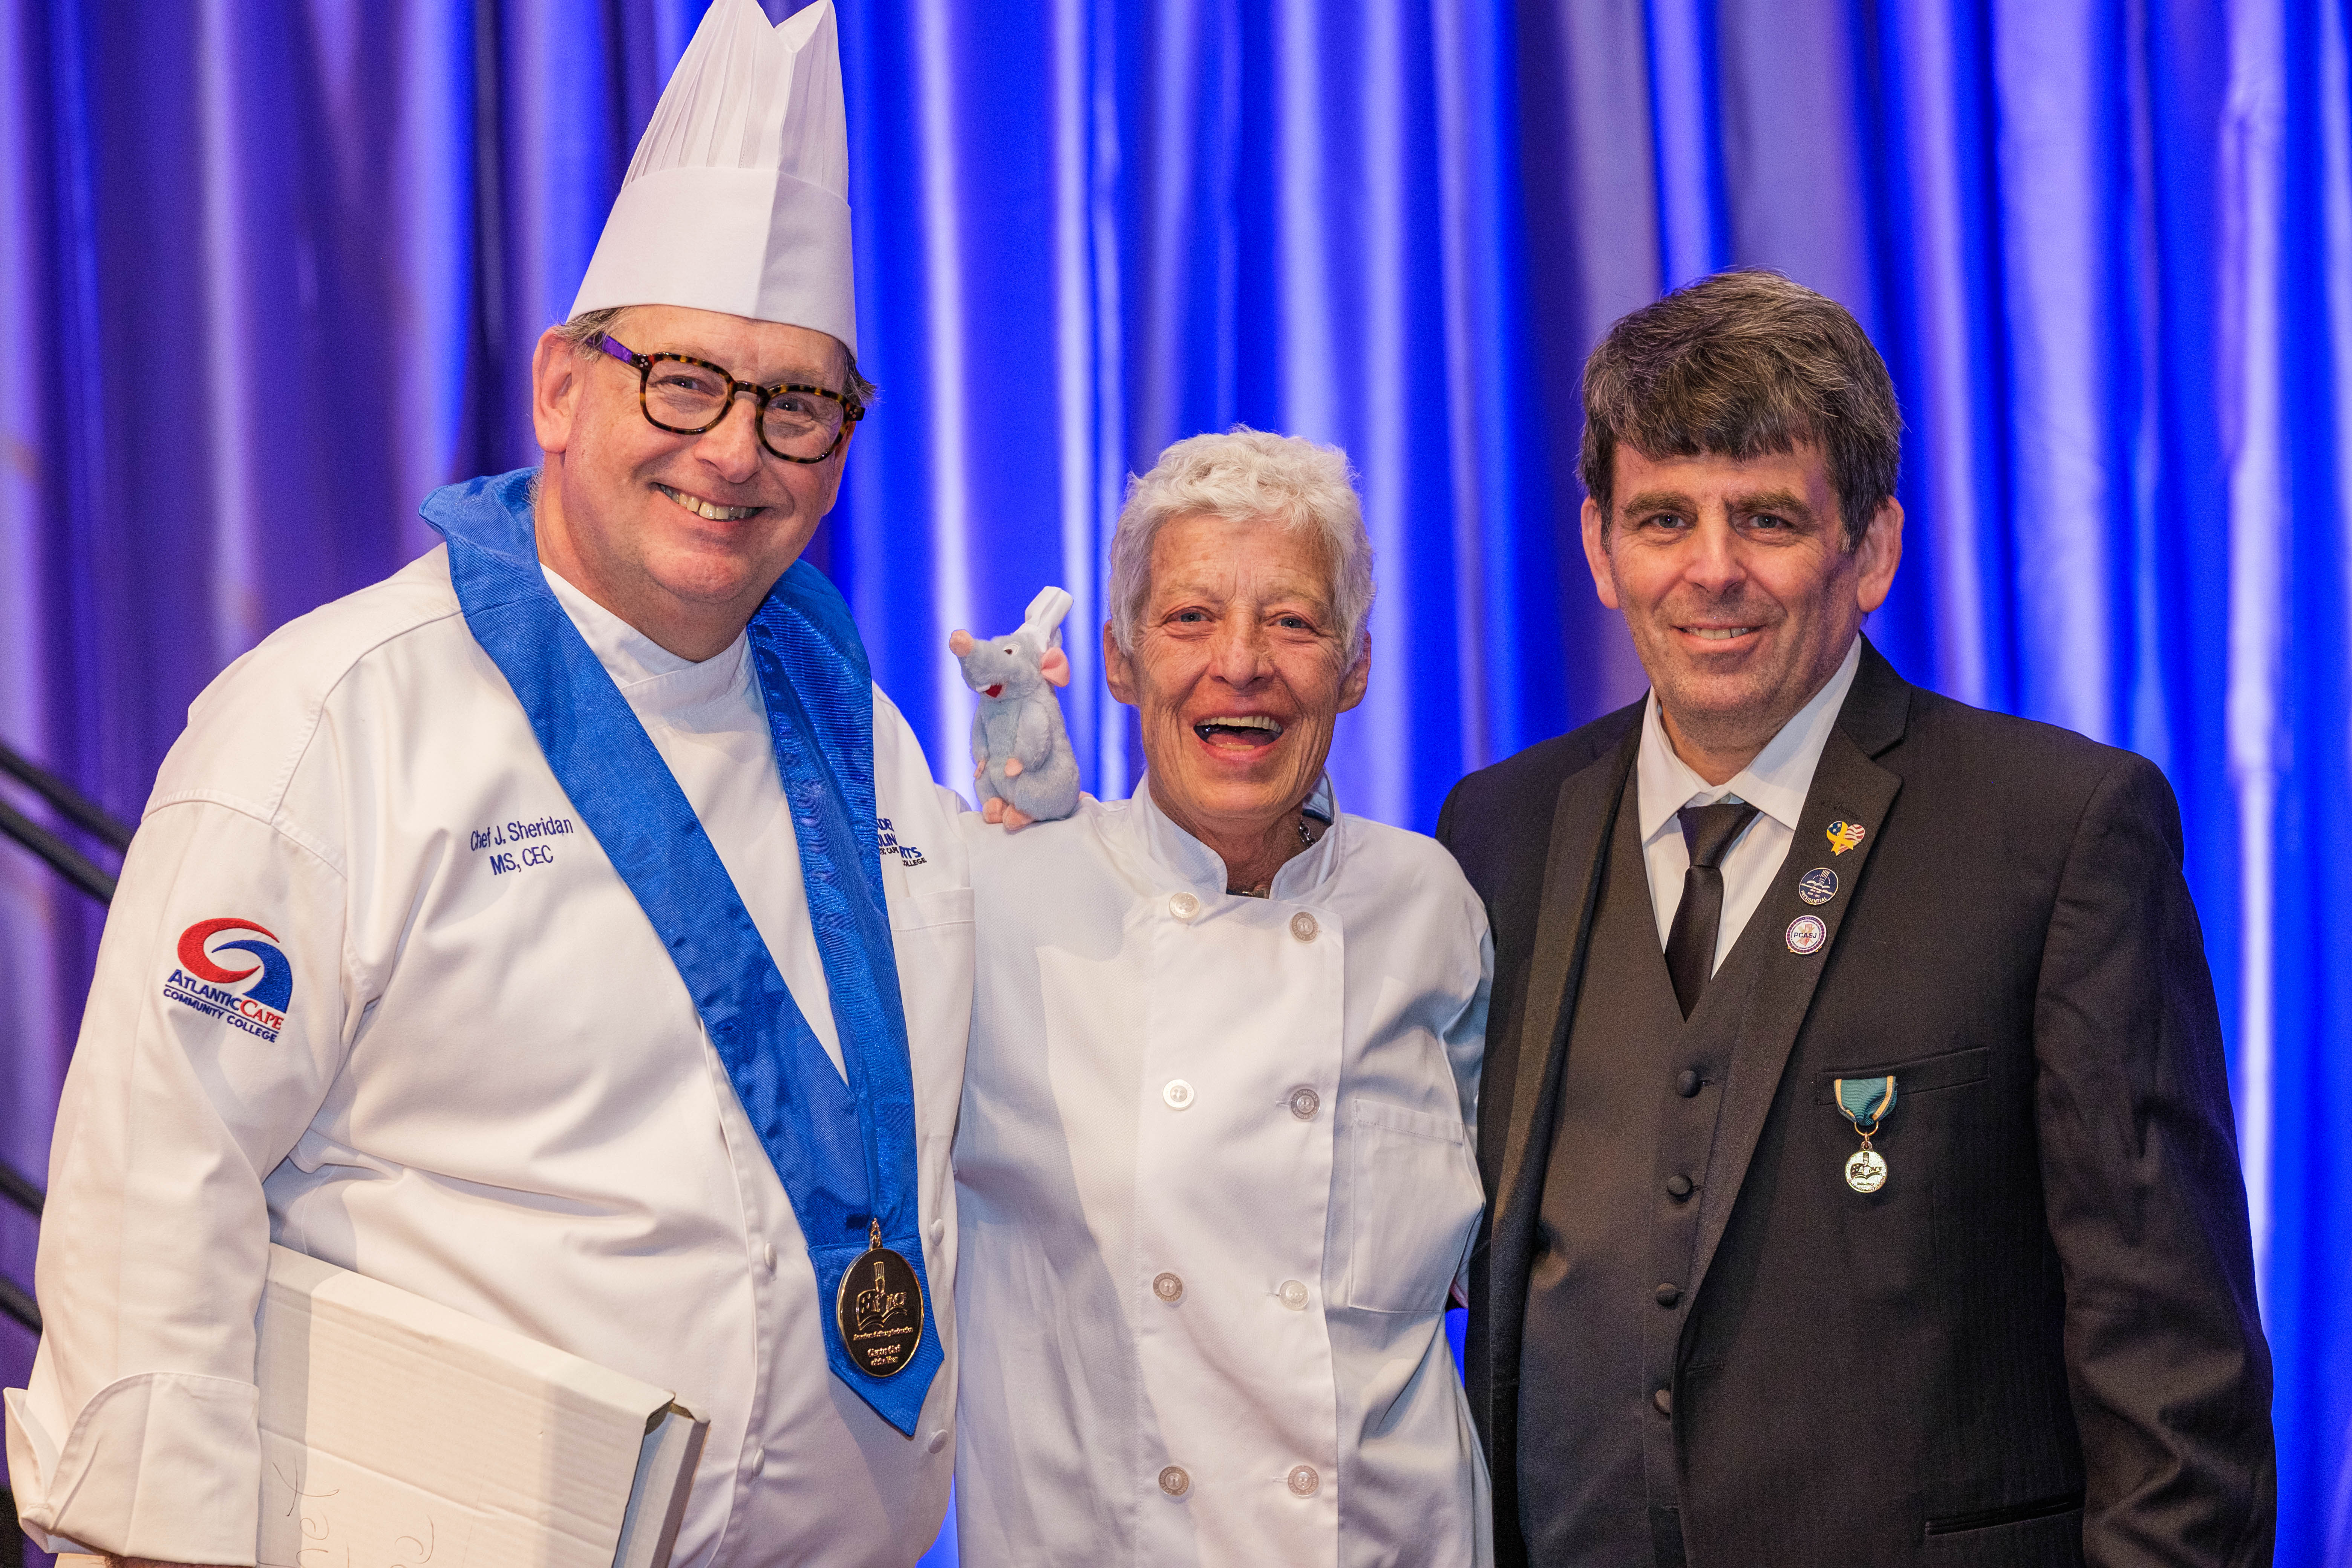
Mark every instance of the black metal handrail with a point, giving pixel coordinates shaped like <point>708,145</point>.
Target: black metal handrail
<point>83,872</point>
<point>21,1190</point>
<point>17,1302</point>
<point>68,802</point>
<point>68,861</point>
<point>77,808</point>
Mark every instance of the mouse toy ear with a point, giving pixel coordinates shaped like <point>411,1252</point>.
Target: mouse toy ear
<point>1055,667</point>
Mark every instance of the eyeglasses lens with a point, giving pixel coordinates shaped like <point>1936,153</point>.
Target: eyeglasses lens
<point>685,396</point>
<point>799,424</point>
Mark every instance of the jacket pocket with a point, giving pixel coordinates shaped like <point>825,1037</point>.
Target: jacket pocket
<point>1920,1075</point>
<point>940,907</point>
<point>2025,1535</point>
<point>1416,1200</point>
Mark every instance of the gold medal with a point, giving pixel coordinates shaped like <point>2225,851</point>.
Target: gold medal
<point>879,1309</point>
<point>1865,1170</point>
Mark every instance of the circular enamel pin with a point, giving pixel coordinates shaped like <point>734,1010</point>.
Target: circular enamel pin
<point>1818,886</point>
<point>1865,1170</point>
<point>879,1310</point>
<point>1806,933</point>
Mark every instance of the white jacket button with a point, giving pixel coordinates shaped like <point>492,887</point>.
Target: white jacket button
<point>1178,1094</point>
<point>1303,1481</point>
<point>759,1461</point>
<point>939,1440</point>
<point>1168,1288</point>
<point>1174,1481</point>
<point>1305,1102</point>
<point>1294,1295</point>
<point>767,1257</point>
<point>1183,906</point>
<point>1303,926</point>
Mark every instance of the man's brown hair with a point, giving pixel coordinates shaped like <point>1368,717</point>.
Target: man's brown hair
<point>1740,365</point>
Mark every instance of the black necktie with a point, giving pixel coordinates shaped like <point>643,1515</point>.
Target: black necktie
<point>1708,833</point>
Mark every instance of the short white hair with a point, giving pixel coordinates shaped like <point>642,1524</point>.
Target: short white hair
<point>1247,476</point>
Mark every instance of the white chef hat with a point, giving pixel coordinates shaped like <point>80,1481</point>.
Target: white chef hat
<point>738,199</point>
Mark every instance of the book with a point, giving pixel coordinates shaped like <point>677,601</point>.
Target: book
<point>400,1433</point>
<point>397,1432</point>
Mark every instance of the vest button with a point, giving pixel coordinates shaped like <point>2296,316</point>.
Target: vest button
<point>1665,1400</point>
<point>1679,1184</point>
<point>1669,1294</point>
<point>1687,1084</point>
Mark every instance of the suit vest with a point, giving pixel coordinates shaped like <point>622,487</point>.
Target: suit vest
<point>1609,1290</point>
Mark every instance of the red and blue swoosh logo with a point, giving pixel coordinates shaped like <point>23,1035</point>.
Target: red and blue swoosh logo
<point>249,995</point>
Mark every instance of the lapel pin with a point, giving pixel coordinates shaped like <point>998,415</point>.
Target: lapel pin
<point>1818,886</point>
<point>1806,933</point>
<point>1845,836</point>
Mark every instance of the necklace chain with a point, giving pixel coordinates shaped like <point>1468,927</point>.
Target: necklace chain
<point>1265,889</point>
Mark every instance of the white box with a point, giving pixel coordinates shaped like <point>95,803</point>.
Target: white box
<point>395,1431</point>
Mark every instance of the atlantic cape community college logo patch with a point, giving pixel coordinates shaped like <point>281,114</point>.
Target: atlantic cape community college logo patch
<point>254,997</point>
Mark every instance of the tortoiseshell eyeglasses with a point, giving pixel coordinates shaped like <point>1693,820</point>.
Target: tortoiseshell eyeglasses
<point>686,396</point>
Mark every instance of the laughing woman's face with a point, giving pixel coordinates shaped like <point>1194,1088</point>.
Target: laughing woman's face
<point>1237,672</point>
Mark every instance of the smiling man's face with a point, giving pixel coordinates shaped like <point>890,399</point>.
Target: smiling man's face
<point>1239,672</point>
<point>1736,583</point>
<point>681,536</point>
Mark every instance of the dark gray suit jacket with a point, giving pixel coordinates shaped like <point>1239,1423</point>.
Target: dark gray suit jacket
<point>2039,1343</point>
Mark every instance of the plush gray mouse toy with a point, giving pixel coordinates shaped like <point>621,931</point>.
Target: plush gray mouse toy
<point>1021,756</point>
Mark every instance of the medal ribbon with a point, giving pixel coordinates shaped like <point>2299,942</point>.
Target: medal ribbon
<point>1866,1101</point>
<point>845,1152</point>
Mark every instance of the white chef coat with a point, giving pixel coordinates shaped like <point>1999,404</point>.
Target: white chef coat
<point>1216,1175</point>
<point>491,1087</point>
<point>1776,784</point>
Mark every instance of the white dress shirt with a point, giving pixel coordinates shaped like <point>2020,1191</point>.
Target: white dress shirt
<point>1776,784</point>
<point>491,1087</point>
<point>1216,1176</point>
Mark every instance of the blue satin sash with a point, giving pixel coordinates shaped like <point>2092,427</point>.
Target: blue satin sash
<point>845,1152</point>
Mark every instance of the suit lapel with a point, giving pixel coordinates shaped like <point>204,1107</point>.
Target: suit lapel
<point>1850,796</point>
<point>1582,817</point>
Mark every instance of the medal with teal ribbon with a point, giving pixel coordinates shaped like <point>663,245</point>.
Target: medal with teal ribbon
<point>1866,1101</point>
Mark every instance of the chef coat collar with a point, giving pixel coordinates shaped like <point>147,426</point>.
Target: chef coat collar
<point>1183,859</point>
<point>653,678</point>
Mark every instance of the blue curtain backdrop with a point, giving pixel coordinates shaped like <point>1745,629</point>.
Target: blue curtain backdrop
<point>270,269</point>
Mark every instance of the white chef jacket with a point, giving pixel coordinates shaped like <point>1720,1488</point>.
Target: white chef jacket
<point>1776,784</point>
<point>1216,1175</point>
<point>491,1087</point>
